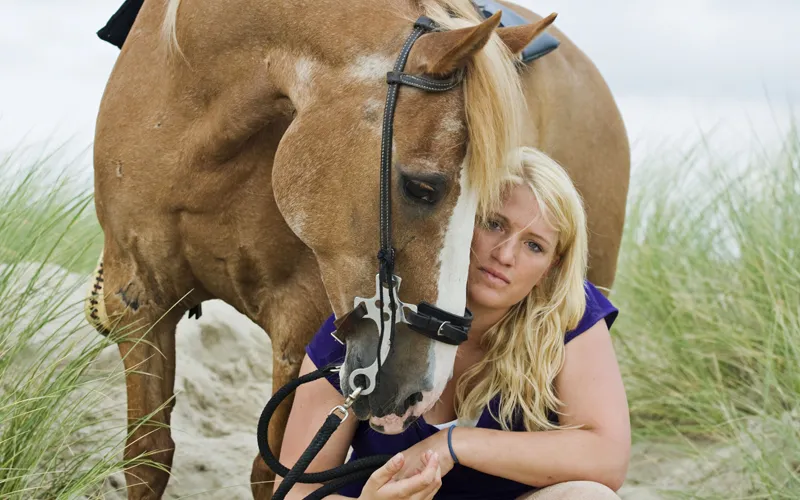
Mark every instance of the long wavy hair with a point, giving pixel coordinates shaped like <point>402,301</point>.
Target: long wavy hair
<point>525,349</point>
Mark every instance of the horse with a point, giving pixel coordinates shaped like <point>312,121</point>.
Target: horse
<point>236,157</point>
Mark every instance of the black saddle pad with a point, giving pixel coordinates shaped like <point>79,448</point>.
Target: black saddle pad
<point>117,28</point>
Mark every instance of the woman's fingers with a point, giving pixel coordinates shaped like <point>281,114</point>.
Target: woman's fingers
<point>434,487</point>
<point>385,473</point>
<point>417,486</point>
<point>421,486</point>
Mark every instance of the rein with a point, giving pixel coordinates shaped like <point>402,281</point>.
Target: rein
<point>334,478</point>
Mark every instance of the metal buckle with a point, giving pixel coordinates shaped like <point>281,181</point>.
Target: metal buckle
<point>348,402</point>
<point>439,330</point>
<point>342,409</point>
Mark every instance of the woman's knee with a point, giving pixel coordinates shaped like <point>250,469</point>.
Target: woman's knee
<point>573,490</point>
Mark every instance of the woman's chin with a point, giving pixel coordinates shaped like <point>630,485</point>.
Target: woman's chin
<point>486,298</point>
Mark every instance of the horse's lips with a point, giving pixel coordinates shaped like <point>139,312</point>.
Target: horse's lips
<point>392,424</point>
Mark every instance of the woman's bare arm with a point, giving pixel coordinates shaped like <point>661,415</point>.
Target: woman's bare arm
<point>590,385</point>
<point>312,402</point>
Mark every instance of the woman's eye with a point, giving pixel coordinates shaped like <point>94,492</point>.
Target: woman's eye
<point>535,247</point>
<point>493,224</point>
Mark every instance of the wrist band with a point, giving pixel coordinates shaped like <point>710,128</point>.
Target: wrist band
<point>450,443</point>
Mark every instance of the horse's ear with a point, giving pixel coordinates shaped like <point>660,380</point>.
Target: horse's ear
<point>442,52</point>
<point>517,38</point>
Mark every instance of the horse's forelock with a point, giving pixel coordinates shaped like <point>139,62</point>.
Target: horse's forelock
<point>494,105</point>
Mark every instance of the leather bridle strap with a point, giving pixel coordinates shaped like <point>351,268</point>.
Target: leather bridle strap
<point>439,325</point>
<point>394,79</point>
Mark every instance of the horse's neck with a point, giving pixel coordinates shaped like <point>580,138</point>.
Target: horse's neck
<point>330,32</point>
<point>240,69</point>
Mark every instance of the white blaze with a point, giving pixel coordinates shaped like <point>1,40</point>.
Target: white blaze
<point>452,286</point>
<point>371,68</point>
<point>305,71</point>
<point>454,257</point>
<point>452,297</point>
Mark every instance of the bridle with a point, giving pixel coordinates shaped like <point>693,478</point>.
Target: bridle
<point>423,318</point>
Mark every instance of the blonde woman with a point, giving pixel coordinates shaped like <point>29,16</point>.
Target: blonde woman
<point>536,408</point>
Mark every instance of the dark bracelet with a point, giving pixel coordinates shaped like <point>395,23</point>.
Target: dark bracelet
<point>450,443</point>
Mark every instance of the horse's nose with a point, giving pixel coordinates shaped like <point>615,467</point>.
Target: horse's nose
<point>412,400</point>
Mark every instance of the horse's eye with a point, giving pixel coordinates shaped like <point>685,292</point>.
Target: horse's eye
<point>421,191</point>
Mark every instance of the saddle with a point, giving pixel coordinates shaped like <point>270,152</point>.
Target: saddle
<point>119,25</point>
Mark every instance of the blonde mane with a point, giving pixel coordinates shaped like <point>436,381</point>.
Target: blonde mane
<point>494,104</point>
<point>169,30</point>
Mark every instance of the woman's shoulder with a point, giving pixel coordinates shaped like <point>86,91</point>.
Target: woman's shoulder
<point>597,307</point>
<point>325,349</point>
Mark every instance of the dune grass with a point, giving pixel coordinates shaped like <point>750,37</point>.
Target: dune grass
<point>47,215</point>
<point>709,286</point>
<point>51,395</point>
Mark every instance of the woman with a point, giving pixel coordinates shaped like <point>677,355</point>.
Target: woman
<point>539,361</point>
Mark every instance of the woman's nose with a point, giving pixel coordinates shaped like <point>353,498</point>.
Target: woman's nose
<point>505,252</point>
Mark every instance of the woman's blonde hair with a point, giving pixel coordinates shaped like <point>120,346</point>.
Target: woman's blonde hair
<point>525,349</point>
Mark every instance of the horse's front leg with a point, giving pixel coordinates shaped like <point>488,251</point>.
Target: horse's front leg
<point>297,314</point>
<point>285,367</point>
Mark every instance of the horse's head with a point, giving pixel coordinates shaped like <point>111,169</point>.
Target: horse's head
<point>326,180</point>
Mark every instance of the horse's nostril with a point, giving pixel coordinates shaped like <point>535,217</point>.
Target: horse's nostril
<point>413,399</point>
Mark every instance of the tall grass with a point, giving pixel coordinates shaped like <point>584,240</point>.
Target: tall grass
<point>41,198</point>
<point>709,287</point>
<point>55,441</point>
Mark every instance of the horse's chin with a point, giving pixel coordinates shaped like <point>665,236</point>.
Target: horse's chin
<point>393,424</point>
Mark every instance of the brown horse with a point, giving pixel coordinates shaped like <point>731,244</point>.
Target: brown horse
<point>237,157</point>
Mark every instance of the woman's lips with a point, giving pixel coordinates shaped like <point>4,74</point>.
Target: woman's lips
<point>494,277</point>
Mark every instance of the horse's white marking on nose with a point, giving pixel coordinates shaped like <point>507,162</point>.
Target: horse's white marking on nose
<point>454,257</point>
<point>304,69</point>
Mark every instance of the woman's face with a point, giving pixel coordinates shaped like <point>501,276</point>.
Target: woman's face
<point>510,253</point>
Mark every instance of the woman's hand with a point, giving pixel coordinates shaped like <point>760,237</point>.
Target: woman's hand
<point>381,485</point>
<point>414,456</point>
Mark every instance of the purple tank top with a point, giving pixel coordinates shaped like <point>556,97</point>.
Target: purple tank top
<point>461,482</point>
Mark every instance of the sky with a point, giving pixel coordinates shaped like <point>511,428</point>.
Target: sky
<point>677,69</point>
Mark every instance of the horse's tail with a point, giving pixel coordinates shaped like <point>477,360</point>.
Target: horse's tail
<point>94,304</point>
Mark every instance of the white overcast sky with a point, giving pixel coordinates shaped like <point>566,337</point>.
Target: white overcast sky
<point>675,67</point>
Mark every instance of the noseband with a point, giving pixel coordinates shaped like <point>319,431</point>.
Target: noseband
<point>423,318</point>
